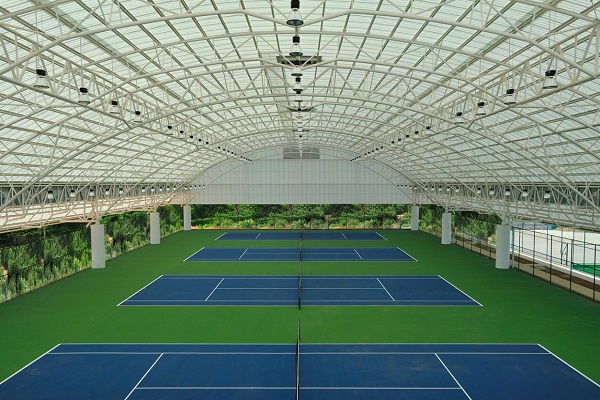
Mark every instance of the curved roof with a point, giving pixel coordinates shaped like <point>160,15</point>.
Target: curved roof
<point>455,93</point>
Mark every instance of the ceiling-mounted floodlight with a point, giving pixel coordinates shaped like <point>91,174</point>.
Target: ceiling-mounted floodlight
<point>298,86</point>
<point>447,188</point>
<point>297,71</point>
<point>478,190</point>
<point>459,120</point>
<point>550,79</point>
<point>492,192</point>
<point>295,18</point>
<point>114,107</point>
<point>84,96</point>
<point>510,97</point>
<point>120,191</point>
<point>50,195</point>
<point>481,109</point>
<point>91,193</point>
<point>143,189</point>
<point>41,82</point>
<point>547,194</point>
<point>107,192</point>
<point>457,189</point>
<point>507,192</point>
<point>296,50</point>
<point>72,194</point>
<point>138,117</point>
<point>169,130</point>
<point>524,193</point>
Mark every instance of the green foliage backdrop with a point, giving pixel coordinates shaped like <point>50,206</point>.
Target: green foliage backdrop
<point>34,258</point>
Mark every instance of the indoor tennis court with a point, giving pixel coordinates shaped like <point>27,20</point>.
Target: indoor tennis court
<point>315,372</point>
<point>339,290</point>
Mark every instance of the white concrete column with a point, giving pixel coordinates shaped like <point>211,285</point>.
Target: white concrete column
<point>503,246</point>
<point>446,228</point>
<point>154,228</point>
<point>187,217</point>
<point>98,246</point>
<point>414,218</point>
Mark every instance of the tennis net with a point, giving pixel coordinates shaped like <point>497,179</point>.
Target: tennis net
<point>300,285</point>
<point>298,362</point>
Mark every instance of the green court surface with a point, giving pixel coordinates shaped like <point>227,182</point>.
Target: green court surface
<point>516,308</point>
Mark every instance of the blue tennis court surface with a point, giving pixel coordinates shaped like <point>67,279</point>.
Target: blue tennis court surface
<point>302,235</point>
<point>317,290</point>
<point>306,254</point>
<point>268,372</point>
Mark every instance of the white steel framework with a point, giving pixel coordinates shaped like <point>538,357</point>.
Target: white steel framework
<point>486,105</point>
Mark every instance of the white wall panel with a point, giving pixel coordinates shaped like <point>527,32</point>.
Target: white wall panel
<point>298,182</point>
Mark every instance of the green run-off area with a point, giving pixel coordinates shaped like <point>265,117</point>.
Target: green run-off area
<point>516,308</point>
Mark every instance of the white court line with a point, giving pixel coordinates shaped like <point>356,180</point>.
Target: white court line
<point>356,254</point>
<point>344,236</point>
<point>461,291</point>
<point>194,254</point>
<point>414,259</point>
<point>243,254</point>
<point>46,353</point>
<point>221,236</point>
<point>216,387</point>
<point>139,291</point>
<point>142,378</point>
<point>222,279</point>
<point>384,288</point>
<point>380,236</point>
<point>455,380</point>
<point>257,236</point>
<point>568,365</point>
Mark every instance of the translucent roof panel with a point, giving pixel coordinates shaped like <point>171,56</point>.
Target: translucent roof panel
<point>469,92</point>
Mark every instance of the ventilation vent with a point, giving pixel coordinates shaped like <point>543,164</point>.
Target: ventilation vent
<point>308,153</point>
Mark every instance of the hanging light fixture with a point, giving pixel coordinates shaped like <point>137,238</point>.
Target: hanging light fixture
<point>50,195</point>
<point>91,193</point>
<point>550,79</point>
<point>297,71</point>
<point>137,119</point>
<point>296,50</point>
<point>459,120</point>
<point>114,107</point>
<point>295,18</point>
<point>298,86</point>
<point>524,193</point>
<point>84,96</point>
<point>169,130</point>
<point>510,97</point>
<point>72,194</point>
<point>481,109</point>
<point>41,82</point>
<point>547,194</point>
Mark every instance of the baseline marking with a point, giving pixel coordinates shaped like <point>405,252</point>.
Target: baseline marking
<point>453,377</point>
<point>384,288</point>
<point>22,369</point>
<point>194,254</point>
<point>568,365</point>
<point>356,254</point>
<point>222,279</point>
<point>406,253</point>
<point>224,233</point>
<point>142,378</point>
<point>139,290</point>
<point>460,291</point>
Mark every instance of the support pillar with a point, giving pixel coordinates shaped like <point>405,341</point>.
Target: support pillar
<point>187,217</point>
<point>414,218</point>
<point>503,246</point>
<point>154,228</point>
<point>98,246</point>
<point>446,228</point>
